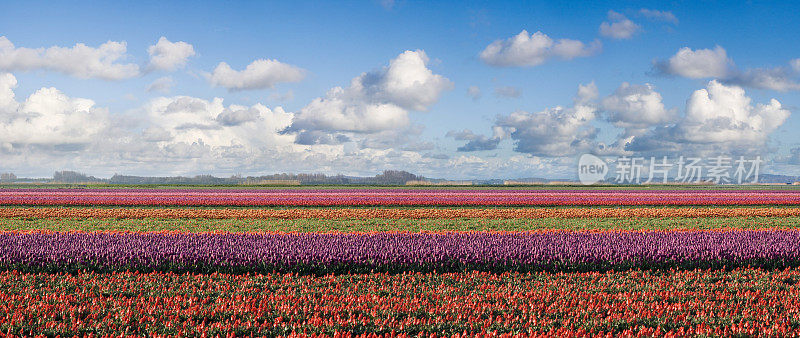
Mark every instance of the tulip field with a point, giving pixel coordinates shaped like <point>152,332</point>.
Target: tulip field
<point>547,261</point>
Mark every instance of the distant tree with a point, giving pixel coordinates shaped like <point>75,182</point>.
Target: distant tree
<point>68,176</point>
<point>8,177</point>
<point>396,177</point>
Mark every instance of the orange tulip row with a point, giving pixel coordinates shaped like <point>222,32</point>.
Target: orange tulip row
<point>394,213</point>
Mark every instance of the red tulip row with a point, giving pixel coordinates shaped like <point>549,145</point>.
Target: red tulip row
<point>631,303</point>
<point>397,213</point>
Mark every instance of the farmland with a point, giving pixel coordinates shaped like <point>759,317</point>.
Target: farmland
<point>400,261</point>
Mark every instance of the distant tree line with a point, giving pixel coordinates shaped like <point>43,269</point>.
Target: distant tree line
<point>388,177</point>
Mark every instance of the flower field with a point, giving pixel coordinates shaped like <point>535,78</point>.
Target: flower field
<point>385,197</point>
<point>400,262</point>
<point>741,302</point>
<point>397,213</point>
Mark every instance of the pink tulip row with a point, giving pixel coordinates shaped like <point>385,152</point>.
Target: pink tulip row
<point>387,197</point>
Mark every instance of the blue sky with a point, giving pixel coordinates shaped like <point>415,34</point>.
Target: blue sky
<point>408,74</point>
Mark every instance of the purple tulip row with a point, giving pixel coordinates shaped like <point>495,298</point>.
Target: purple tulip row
<point>356,197</point>
<point>396,252</point>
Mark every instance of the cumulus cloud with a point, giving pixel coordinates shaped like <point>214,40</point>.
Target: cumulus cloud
<point>618,26</point>
<point>81,61</point>
<point>167,55</point>
<point>507,91</point>
<point>654,14</point>
<point>374,102</point>
<point>528,50</point>
<point>717,117</point>
<point>47,118</point>
<point>259,74</point>
<point>162,85</point>
<point>559,131</point>
<point>185,125</point>
<point>697,64</point>
<point>706,63</point>
<point>636,107</point>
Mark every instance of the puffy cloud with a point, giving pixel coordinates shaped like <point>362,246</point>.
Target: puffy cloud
<point>718,117</point>
<point>474,92</point>
<point>162,85</point>
<point>697,64</point>
<point>528,50</point>
<point>654,14</point>
<point>167,55</point>
<point>80,61</point>
<point>476,142</point>
<point>230,117</point>
<point>555,131</point>
<point>706,63</point>
<point>47,118</point>
<point>637,107</point>
<point>259,74</point>
<point>507,91</point>
<point>586,93</point>
<point>722,113</point>
<point>188,119</point>
<point>620,27</point>
<point>8,103</point>
<point>375,101</point>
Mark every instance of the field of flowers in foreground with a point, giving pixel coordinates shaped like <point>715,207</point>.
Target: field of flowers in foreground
<point>399,262</point>
<point>661,303</point>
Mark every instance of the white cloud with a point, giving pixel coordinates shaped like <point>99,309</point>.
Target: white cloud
<point>620,27</point>
<point>474,92</point>
<point>697,64</point>
<point>706,63</point>
<point>654,14</point>
<point>528,50</point>
<point>556,131</point>
<point>507,91</point>
<point>167,55</point>
<point>586,93</point>
<point>80,61</point>
<point>375,102</point>
<point>722,113</point>
<point>189,119</point>
<point>636,107</point>
<point>259,74</point>
<point>8,103</point>
<point>47,118</point>
<point>162,85</point>
<point>718,117</point>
